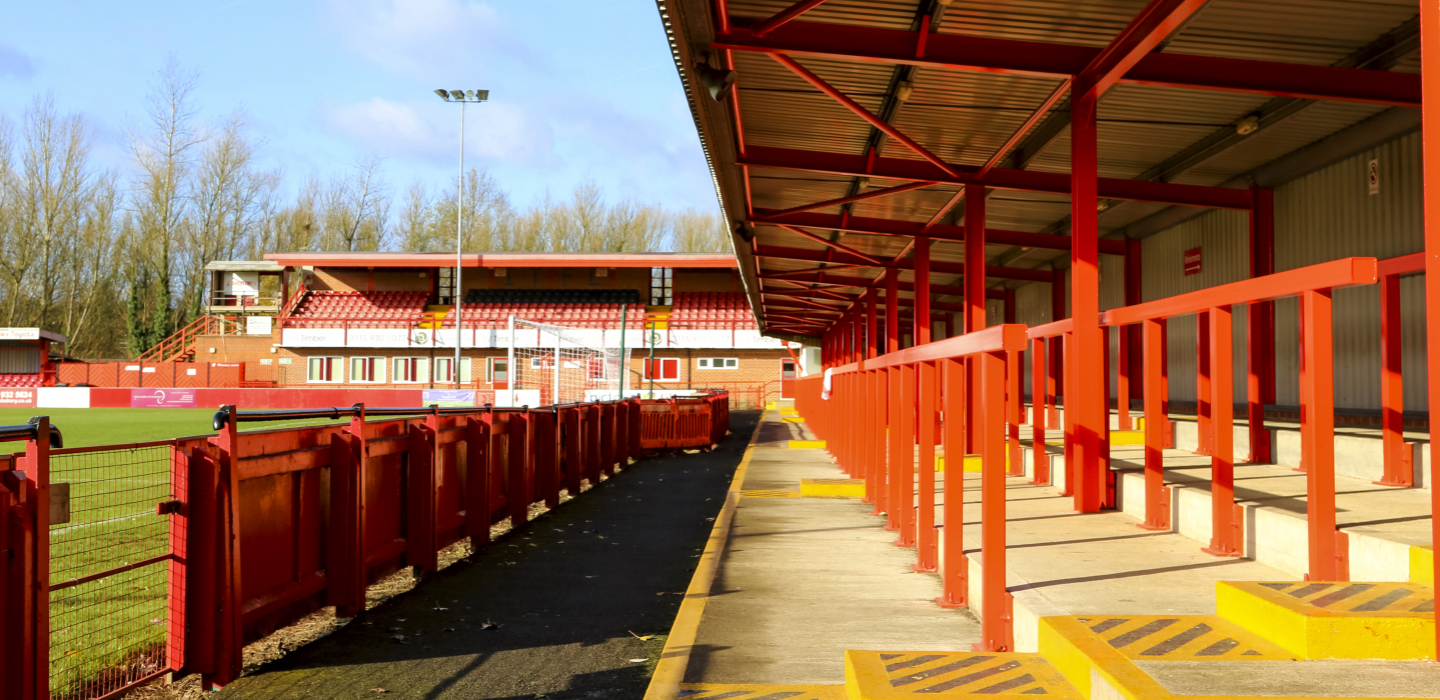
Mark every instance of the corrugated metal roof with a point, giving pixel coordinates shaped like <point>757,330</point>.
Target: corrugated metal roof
<point>965,116</point>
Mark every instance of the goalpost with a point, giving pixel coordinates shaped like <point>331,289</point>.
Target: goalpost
<point>552,364</point>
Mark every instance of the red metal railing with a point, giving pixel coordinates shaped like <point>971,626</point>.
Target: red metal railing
<point>182,342</point>
<point>1399,460</point>
<point>179,552</point>
<point>879,409</point>
<point>1212,307</point>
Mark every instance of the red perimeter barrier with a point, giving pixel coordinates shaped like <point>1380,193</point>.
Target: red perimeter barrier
<point>222,539</point>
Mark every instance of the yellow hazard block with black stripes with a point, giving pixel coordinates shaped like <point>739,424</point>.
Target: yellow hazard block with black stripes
<point>878,675</point>
<point>1335,620</point>
<point>746,691</point>
<point>1105,649</point>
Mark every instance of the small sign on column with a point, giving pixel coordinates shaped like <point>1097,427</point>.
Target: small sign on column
<point>1192,261</point>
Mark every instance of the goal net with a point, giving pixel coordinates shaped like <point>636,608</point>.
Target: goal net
<point>557,364</point>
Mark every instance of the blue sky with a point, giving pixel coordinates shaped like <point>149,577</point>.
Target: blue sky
<point>579,89</point>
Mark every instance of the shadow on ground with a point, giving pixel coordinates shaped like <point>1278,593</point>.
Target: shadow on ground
<point>555,609</point>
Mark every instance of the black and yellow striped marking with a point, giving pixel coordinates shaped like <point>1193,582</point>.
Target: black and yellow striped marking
<point>1368,598</point>
<point>717,691</point>
<point>769,493</point>
<point>1335,619</point>
<point>873,675</point>
<point>1182,638</point>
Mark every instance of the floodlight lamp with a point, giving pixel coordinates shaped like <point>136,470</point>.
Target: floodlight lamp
<point>469,94</point>
<point>457,94</point>
<point>443,95</point>
<point>718,81</point>
<point>482,95</point>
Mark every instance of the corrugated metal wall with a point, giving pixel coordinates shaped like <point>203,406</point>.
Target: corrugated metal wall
<point>19,357</point>
<point>1323,216</point>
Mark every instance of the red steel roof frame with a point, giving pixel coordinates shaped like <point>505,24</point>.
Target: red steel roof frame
<point>506,260</point>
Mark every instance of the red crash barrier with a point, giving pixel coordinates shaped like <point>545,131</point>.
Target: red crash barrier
<point>684,423</point>
<point>217,541</point>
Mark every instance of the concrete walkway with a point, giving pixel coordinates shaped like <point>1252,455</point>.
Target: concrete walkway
<point>804,580</point>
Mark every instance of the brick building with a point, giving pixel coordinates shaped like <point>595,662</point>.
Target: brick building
<point>387,320</point>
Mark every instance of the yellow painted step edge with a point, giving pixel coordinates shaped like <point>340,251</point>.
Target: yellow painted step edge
<point>1322,634</point>
<point>1083,658</point>
<point>807,444</point>
<point>832,488</point>
<point>1422,565</point>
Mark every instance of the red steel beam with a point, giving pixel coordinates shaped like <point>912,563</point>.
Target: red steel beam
<point>896,227</point>
<point>832,244</point>
<point>770,24</point>
<point>1016,57</point>
<point>852,198</point>
<point>941,289</point>
<point>863,113</point>
<point>995,271</point>
<point>997,178</point>
<point>777,273</point>
<point>1139,38</point>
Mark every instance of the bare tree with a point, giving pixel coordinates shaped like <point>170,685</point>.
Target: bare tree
<point>700,232</point>
<point>164,155</point>
<point>355,209</point>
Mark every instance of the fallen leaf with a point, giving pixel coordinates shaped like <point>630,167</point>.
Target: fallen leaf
<point>638,661</point>
<point>379,690</point>
<point>488,625</point>
<point>645,638</point>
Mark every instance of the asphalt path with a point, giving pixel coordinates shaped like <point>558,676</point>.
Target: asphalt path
<point>575,604</point>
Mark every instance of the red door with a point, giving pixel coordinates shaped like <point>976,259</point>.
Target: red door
<point>787,379</point>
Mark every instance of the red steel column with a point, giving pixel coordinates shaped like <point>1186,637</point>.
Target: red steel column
<point>904,472</point>
<point>922,291</point>
<point>872,454</point>
<point>1089,373</point>
<point>1203,426</point>
<point>875,409</point>
<point>1430,140</point>
<point>1039,410</point>
<point>890,385</point>
<point>1057,360</point>
<point>895,463</point>
<point>1224,538</point>
<point>974,298</point>
<point>925,521</point>
<point>1398,468</point>
<point>1327,560</point>
<point>1260,330</point>
<point>1132,363</point>
<point>995,618</point>
<point>1067,386</point>
<point>1157,496</point>
<point>1014,412</point>
<point>954,576</point>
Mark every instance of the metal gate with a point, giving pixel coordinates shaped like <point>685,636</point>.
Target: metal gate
<point>116,603</point>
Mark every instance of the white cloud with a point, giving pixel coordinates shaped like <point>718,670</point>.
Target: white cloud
<point>426,38</point>
<point>496,131</point>
<point>14,63</point>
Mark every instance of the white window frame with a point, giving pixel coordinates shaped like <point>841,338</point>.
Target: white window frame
<point>421,366</point>
<point>440,377</point>
<point>335,377</point>
<point>490,369</point>
<point>726,363</point>
<point>379,364</point>
<point>646,365</point>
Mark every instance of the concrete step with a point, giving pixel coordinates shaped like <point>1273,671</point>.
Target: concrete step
<point>897,675</point>
<point>1339,620</point>
<point>832,488</point>
<point>759,691</point>
<point>1274,527</point>
<point>1154,657</point>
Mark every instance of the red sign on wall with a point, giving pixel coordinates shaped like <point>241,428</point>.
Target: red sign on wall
<point>1192,261</point>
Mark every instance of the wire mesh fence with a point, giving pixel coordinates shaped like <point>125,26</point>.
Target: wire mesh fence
<point>110,569</point>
